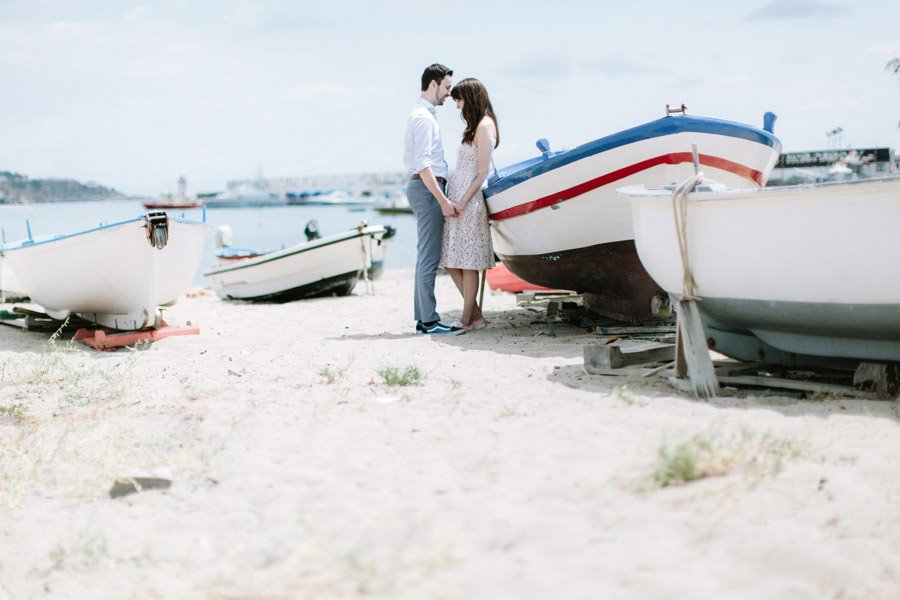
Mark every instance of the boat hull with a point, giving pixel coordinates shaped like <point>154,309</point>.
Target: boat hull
<point>802,275</point>
<point>323,267</point>
<point>612,272</point>
<point>111,275</point>
<point>10,288</point>
<point>557,221</point>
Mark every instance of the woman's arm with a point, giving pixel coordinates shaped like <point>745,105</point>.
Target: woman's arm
<point>484,149</point>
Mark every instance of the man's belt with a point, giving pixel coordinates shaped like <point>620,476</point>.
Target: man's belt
<point>440,180</point>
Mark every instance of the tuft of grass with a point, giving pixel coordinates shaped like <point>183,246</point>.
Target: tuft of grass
<point>625,395</point>
<point>394,376</point>
<point>715,454</point>
<point>330,375</point>
<point>16,410</point>
<point>85,552</point>
<point>53,359</point>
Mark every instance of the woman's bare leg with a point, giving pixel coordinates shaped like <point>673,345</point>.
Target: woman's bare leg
<point>456,276</point>
<point>470,293</point>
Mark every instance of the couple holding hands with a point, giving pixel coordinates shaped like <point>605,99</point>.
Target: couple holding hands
<point>451,215</point>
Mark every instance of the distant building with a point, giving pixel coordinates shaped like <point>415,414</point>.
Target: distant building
<point>834,165</point>
<point>356,183</point>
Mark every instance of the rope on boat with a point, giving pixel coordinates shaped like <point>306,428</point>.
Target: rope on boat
<point>679,207</point>
<point>370,289</point>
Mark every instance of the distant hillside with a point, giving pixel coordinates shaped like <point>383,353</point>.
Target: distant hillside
<point>19,189</point>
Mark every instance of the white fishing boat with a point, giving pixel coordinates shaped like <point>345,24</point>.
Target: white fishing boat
<point>179,200</point>
<point>557,222</point>
<point>327,198</point>
<point>379,250</point>
<point>320,266</point>
<point>796,275</point>
<point>246,195</point>
<point>394,203</point>
<point>10,288</point>
<point>117,275</point>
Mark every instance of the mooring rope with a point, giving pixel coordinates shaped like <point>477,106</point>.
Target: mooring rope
<point>679,207</point>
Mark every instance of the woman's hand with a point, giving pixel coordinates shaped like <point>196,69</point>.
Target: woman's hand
<point>449,209</point>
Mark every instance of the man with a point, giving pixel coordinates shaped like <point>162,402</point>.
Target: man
<point>423,157</point>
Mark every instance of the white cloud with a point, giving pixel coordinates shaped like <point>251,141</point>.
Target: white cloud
<point>798,9</point>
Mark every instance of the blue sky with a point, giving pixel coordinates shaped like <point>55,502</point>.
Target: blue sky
<point>132,94</point>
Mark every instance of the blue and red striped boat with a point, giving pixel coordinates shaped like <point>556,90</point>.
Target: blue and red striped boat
<point>557,221</point>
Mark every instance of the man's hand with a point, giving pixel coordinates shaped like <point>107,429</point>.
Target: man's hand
<point>449,209</point>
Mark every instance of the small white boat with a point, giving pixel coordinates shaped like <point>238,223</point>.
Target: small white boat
<point>179,200</point>
<point>173,202</point>
<point>557,222</point>
<point>256,194</point>
<point>10,288</point>
<point>327,198</point>
<point>320,266</point>
<point>393,203</point>
<point>796,275</point>
<point>116,275</point>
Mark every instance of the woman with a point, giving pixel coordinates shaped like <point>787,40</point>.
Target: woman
<point>466,247</point>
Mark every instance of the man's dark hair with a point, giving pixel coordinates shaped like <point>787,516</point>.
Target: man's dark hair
<point>435,72</point>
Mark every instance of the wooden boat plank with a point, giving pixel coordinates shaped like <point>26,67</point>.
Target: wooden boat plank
<point>793,384</point>
<point>604,357</point>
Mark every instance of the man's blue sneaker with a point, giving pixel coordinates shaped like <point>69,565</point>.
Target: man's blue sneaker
<point>439,328</point>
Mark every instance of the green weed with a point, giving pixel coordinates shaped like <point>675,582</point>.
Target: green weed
<point>394,376</point>
<point>15,410</point>
<point>330,375</point>
<point>715,454</point>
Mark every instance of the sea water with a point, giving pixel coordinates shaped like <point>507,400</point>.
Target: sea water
<point>257,228</point>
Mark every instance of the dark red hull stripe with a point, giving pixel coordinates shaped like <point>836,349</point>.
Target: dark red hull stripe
<point>674,158</point>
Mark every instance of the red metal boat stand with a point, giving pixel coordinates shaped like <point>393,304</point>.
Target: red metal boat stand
<point>107,339</point>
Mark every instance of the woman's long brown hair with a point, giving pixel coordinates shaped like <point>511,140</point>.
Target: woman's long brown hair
<point>476,105</point>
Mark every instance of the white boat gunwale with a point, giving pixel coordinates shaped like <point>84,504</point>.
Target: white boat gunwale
<point>515,174</point>
<point>46,239</point>
<point>639,191</point>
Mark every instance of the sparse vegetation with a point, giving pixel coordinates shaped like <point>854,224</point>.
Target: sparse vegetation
<point>715,454</point>
<point>330,375</point>
<point>394,376</point>
<point>625,395</point>
<point>63,372</point>
<point>85,552</point>
<point>15,410</point>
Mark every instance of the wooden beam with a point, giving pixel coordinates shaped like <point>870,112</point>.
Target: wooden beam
<point>600,357</point>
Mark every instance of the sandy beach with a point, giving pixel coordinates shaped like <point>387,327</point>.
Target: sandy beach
<point>501,471</point>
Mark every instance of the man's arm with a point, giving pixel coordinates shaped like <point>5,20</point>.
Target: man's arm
<point>447,208</point>
<point>422,132</point>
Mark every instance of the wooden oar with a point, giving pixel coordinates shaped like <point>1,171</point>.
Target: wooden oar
<point>692,350</point>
